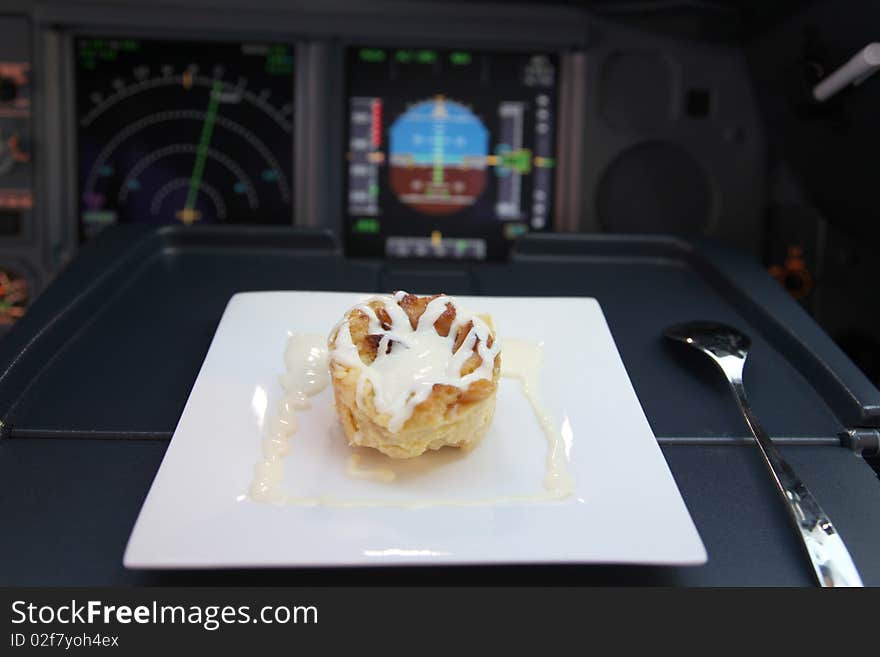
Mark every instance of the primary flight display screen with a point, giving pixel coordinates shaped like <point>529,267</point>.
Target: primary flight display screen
<point>450,153</point>
<point>183,132</point>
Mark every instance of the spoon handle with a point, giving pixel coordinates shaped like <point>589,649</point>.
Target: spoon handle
<point>831,561</point>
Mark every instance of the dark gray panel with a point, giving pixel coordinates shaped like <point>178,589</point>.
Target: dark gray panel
<point>121,358</point>
<point>727,143</point>
<point>745,527</point>
<point>636,90</point>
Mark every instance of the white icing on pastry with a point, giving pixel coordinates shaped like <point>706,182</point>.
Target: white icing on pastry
<point>404,376</point>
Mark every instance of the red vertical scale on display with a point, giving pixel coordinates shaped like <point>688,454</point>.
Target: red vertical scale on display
<point>377,123</point>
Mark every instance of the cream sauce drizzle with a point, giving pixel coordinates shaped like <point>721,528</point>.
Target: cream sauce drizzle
<point>357,470</point>
<point>338,503</point>
<point>307,375</point>
<point>306,360</point>
<point>522,360</point>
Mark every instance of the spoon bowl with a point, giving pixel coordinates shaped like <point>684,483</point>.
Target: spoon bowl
<point>711,337</point>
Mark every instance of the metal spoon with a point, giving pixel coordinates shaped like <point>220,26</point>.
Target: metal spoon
<point>728,348</point>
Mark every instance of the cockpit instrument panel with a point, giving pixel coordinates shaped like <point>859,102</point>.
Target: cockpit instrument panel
<point>183,132</point>
<point>449,153</point>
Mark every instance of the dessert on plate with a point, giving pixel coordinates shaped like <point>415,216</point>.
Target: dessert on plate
<point>414,373</point>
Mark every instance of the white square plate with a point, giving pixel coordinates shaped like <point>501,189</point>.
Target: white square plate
<point>626,507</point>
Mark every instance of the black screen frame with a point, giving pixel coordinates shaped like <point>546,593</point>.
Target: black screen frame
<point>347,47</point>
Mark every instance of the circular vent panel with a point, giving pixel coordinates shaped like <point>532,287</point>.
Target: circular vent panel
<point>654,187</point>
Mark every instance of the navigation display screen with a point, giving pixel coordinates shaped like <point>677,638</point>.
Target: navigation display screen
<point>449,153</point>
<point>183,132</point>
